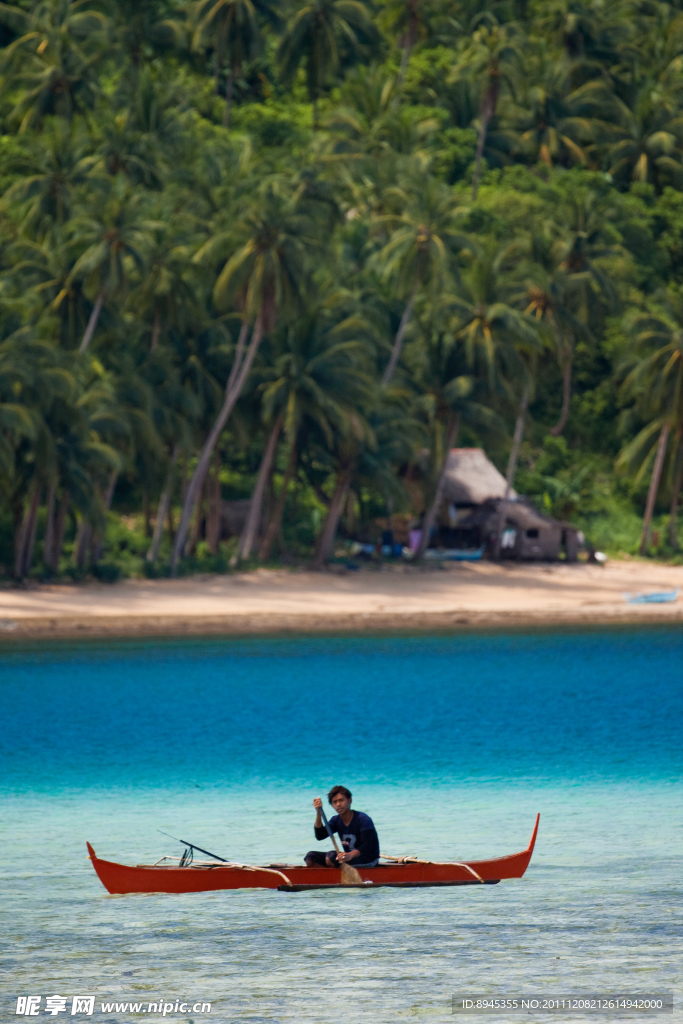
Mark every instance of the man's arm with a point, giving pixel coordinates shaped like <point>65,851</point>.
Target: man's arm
<point>318,827</point>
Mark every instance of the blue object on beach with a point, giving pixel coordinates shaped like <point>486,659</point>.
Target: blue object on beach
<point>454,554</point>
<point>656,597</point>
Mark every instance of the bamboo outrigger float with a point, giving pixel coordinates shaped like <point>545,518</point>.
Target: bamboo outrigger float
<point>209,876</point>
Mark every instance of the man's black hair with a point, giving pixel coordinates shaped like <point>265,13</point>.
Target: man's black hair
<point>338,789</point>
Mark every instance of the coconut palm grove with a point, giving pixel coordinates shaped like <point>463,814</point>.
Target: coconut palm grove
<point>289,254</point>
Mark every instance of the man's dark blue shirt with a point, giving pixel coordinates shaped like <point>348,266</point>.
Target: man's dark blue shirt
<point>359,834</point>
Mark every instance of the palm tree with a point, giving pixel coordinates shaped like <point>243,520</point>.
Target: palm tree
<point>324,35</point>
<point>648,138</point>
<point>493,58</point>
<point>344,458</point>
<point>499,342</point>
<point>587,32</point>
<point>553,121</point>
<point>145,30</point>
<point>567,285</point>
<point>366,126</point>
<point>552,293</point>
<point>122,149</point>
<point>265,274</point>
<point>484,319</point>
<point>22,430</point>
<point>166,294</point>
<point>420,249</point>
<point>442,374</point>
<point>58,162</point>
<point>53,438</point>
<point>52,63</point>
<point>233,29</point>
<point>407,20</point>
<point>321,366</point>
<point>118,236</point>
<point>377,436</point>
<point>656,383</point>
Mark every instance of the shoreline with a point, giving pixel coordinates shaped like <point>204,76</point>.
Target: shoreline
<point>150,627</point>
<point>402,599</point>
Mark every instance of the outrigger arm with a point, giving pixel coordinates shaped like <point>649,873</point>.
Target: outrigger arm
<point>192,847</point>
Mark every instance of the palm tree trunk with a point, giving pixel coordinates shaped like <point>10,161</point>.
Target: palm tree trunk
<point>98,549</point>
<point>400,335</point>
<point>408,42</point>
<point>239,355</point>
<point>31,533</point>
<point>92,322</point>
<point>163,507</point>
<point>49,523</point>
<point>255,506</point>
<point>171,524</point>
<point>452,433</point>
<point>654,487</point>
<point>231,396</point>
<point>24,533</point>
<point>193,539</point>
<point>146,513</point>
<point>488,109</point>
<point>315,114</point>
<point>82,543</point>
<point>60,524</point>
<point>566,398</point>
<point>183,479</point>
<point>228,99</point>
<point>217,70</point>
<point>213,512</point>
<point>275,524</point>
<point>156,330</point>
<point>512,467</point>
<point>351,512</point>
<point>405,58</point>
<point>21,520</point>
<point>675,495</point>
<point>329,531</point>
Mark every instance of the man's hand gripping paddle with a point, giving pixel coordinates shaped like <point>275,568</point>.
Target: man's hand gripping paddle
<point>349,875</point>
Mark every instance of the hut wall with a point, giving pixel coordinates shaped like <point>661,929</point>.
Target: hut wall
<point>570,540</point>
<point>538,542</point>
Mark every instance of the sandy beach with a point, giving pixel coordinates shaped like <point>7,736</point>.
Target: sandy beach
<point>403,598</point>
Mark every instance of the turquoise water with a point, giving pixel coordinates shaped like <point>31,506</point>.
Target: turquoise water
<point>452,744</point>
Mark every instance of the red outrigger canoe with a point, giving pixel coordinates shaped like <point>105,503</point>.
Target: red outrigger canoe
<point>205,876</point>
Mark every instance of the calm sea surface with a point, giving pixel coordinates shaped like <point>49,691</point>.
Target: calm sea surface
<point>452,744</point>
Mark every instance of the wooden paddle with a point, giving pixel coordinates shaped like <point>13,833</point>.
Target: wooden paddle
<point>349,875</point>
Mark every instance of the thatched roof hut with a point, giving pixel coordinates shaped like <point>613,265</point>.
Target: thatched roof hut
<point>469,517</point>
<point>471,479</point>
<point>527,534</point>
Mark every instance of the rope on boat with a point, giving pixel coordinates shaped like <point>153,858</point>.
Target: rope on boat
<point>233,866</point>
<point>412,859</point>
<point>268,871</point>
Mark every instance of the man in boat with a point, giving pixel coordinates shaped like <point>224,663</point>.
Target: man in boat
<point>359,840</point>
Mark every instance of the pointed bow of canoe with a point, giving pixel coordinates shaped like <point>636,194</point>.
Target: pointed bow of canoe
<point>532,841</point>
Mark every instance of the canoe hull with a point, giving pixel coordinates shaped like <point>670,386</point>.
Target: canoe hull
<point>120,879</point>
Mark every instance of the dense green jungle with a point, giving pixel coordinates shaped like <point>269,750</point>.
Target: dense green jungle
<point>292,253</point>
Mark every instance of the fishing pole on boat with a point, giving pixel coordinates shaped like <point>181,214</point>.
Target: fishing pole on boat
<point>193,847</point>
